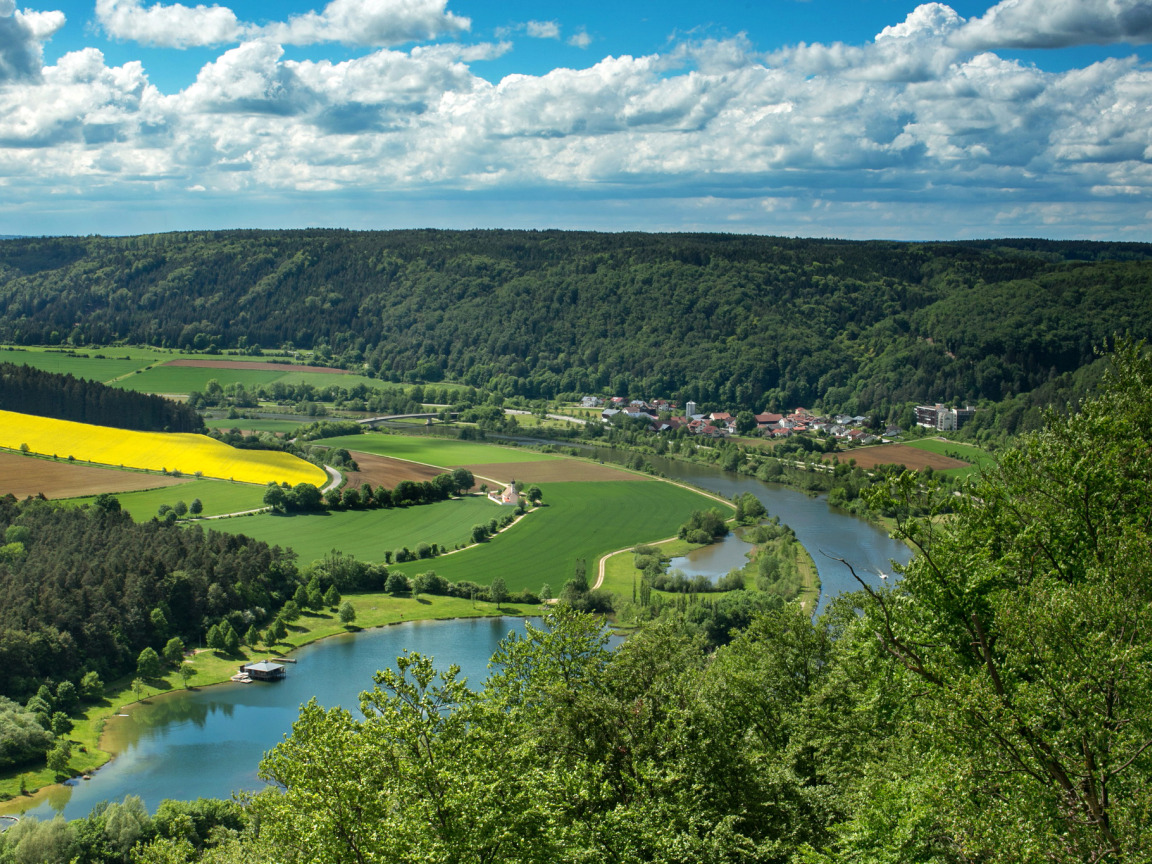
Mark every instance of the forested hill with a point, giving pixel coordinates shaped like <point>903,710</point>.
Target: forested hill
<point>733,320</point>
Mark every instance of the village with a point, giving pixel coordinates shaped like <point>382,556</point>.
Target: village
<point>662,416</point>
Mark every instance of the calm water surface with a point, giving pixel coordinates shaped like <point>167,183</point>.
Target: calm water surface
<point>209,742</point>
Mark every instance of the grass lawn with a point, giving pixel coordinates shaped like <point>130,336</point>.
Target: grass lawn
<point>102,370</point>
<point>217,496</point>
<point>965,452</point>
<point>185,379</point>
<point>368,534</point>
<point>581,520</point>
<point>447,452</point>
<point>372,610</point>
<point>256,425</point>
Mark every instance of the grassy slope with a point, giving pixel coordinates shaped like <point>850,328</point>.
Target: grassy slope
<point>966,452</point>
<point>217,496</point>
<point>582,520</point>
<point>185,379</point>
<point>366,534</point>
<point>435,451</point>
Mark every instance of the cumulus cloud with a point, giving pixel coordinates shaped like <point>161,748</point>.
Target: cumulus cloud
<point>21,35</point>
<point>172,26</point>
<point>371,22</point>
<point>543,29</point>
<point>580,39</point>
<point>889,123</point>
<point>1058,24</point>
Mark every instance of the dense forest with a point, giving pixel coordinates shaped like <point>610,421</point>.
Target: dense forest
<point>729,320</point>
<point>87,589</point>
<point>48,394</point>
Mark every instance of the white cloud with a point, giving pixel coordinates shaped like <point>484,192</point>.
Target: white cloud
<point>172,26</point>
<point>1058,24</point>
<point>890,126</point>
<point>580,39</point>
<point>543,29</point>
<point>20,36</point>
<point>371,22</point>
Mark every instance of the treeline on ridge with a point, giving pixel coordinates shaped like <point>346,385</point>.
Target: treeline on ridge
<point>732,320</point>
<point>64,397</point>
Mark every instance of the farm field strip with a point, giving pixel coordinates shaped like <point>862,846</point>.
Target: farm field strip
<point>153,451</point>
<point>255,425</point>
<point>966,452</point>
<point>446,452</point>
<point>554,471</point>
<point>253,365</point>
<point>22,476</point>
<point>914,458</point>
<point>103,369</point>
<point>217,496</point>
<point>368,534</point>
<point>185,379</point>
<point>386,471</point>
<point>581,520</point>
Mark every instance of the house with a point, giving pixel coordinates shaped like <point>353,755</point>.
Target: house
<point>591,402</point>
<point>943,419</point>
<point>508,495</point>
<point>265,670</point>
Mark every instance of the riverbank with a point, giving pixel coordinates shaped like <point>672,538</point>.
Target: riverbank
<point>372,610</point>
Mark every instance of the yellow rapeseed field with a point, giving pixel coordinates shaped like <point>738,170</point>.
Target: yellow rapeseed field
<point>154,451</point>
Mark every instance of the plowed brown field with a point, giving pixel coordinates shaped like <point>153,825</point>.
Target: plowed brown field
<point>912,458</point>
<point>24,475</point>
<point>386,471</point>
<point>254,365</point>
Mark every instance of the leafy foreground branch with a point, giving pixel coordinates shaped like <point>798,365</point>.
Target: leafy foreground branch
<point>994,706</point>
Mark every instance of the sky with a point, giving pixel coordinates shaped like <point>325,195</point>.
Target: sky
<point>858,119</point>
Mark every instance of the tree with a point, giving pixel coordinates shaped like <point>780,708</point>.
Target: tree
<point>498,591</point>
<point>1016,624</point>
<point>275,498</point>
<point>397,583</point>
<point>347,613</point>
<point>252,636</point>
<point>545,592</point>
<point>174,650</point>
<point>59,757</point>
<point>66,696</point>
<point>278,630</point>
<point>215,639</point>
<point>479,533</point>
<point>331,597</point>
<point>187,670</point>
<point>301,596</point>
<point>61,724</point>
<point>534,494</point>
<point>463,480</point>
<point>148,664</point>
<point>159,622</point>
<point>139,687</point>
<point>290,612</point>
<point>91,687</point>
<point>196,507</point>
<point>230,637</point>
<point>180,509</point>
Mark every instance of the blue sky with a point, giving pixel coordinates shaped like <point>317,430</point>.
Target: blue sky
<point>847,118</point>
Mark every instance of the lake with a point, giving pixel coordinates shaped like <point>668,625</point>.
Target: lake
<point>206,743</point>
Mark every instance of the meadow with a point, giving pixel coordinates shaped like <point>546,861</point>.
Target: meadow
<point>217,496</point>
<point>580,520</point>
<point>185,379</point>
<point>257,424</point>
<point>368,534</point>
<point>152,451</point>
<point>445,452</point>
<point>979,458</point>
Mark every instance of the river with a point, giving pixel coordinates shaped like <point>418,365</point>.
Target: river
<point>828,533</point>
<point>207,743</point>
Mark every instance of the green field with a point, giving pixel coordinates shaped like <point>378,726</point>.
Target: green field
<point>217,496</point>
<point>185,379</point>
<point>103,370</point>
<point>582,520</point>
<point>979,458</point>
<point>447,452</point>
<point>258,424</point>
<point>367,534</point>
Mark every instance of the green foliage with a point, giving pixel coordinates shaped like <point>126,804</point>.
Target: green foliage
<point>148,664</point>
<point>22,737</point>
<point>704,526</point>
<point>347,612</point>
<point>174,651</point>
